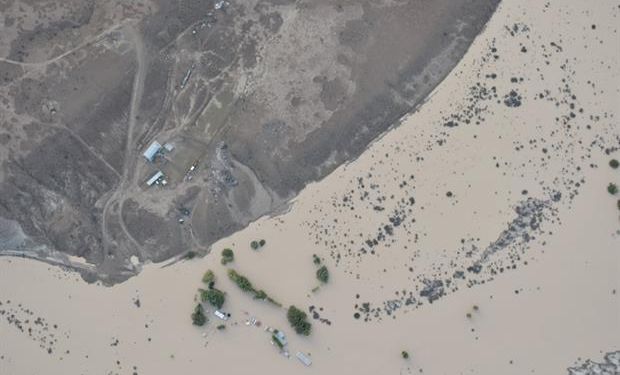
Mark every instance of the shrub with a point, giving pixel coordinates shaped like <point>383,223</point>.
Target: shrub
<point>404,354</point>
<point>221,327</point>
<point>227,256</point>
<point>316,259</point>
<point>322,274</point>
<point>246,285</point>
<point>614,163</point>
<point>190,254</point>
<point>208,277</point>
<point>612,189</point>
<point>214,296</point>
<point>198,316</point>
<point>242,282</point>
<point>273,301</point>
<point>297,319</point>
<point>260,295</point>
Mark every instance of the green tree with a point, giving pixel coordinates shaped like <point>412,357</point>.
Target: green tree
<point>227,256</point>
<point>612,189</point>
<point>316,259</point>
<point>242,282</point>
<point>208,277</point>
<point>404,354</point>
<point>322,274</point>
<point>214,296</point>
<point>198,316</point>
<point>262,243</point>
<point>254,245</point>
<point>297,319</point>
<point>614,163</point>
<point>260,295</point>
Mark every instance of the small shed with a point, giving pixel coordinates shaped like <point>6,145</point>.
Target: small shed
<point>169,147</point>
<point>152,150</point>
<point>304,358</point>
<point>155,178</point>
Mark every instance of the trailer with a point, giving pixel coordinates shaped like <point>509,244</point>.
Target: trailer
<point>304,359</point>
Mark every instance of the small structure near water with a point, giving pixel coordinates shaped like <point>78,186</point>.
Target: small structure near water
<point>304,359</point>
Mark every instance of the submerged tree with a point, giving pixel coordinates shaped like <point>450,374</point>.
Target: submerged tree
<point>214,296</point>
<point>198,316</point>
<point>322,274</point>
<point>297,319</point>
<point>208,277</point>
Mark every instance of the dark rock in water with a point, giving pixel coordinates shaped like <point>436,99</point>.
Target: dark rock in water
<point>609,366</point>
<point>513,99</point>
<point>530,214</point>
<point>433,290</point>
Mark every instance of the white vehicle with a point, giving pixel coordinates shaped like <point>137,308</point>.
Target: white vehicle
<point>221,315</point>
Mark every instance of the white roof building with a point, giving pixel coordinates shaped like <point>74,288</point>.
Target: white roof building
<point>152,150</point>
<point>155,178</point>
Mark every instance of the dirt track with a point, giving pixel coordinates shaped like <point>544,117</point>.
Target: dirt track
<point>261,97</point>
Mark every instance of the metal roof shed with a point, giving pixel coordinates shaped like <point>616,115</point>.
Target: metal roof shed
<point>152,150</point>
<point>155,177</point>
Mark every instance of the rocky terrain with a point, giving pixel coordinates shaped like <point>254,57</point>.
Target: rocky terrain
<point>258,98</point>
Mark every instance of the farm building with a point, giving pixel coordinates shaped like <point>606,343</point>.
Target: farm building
<point>155,178</point>
<point>152,151</point>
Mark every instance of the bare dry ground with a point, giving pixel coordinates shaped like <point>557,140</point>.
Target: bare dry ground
<point>260,96</point>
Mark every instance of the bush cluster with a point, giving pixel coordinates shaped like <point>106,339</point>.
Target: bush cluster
<point>297,319</point>
<point>255,245</point>
<point>198,316</point>
<point>214,296</point>
<point>246,285</point>
<point>208,277</point>
<point>227,256</point>
<point>322,274</point>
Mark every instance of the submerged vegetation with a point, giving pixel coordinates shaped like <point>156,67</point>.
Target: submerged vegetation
<point>316,260</point>
<point>255,245</point>
<point>322,274</point>
<point>246,285</point>
<point>198,316</point>
<point>227,256</point>
<point>214,296</point>
<point>298,320</point>
<point>208,277</point>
